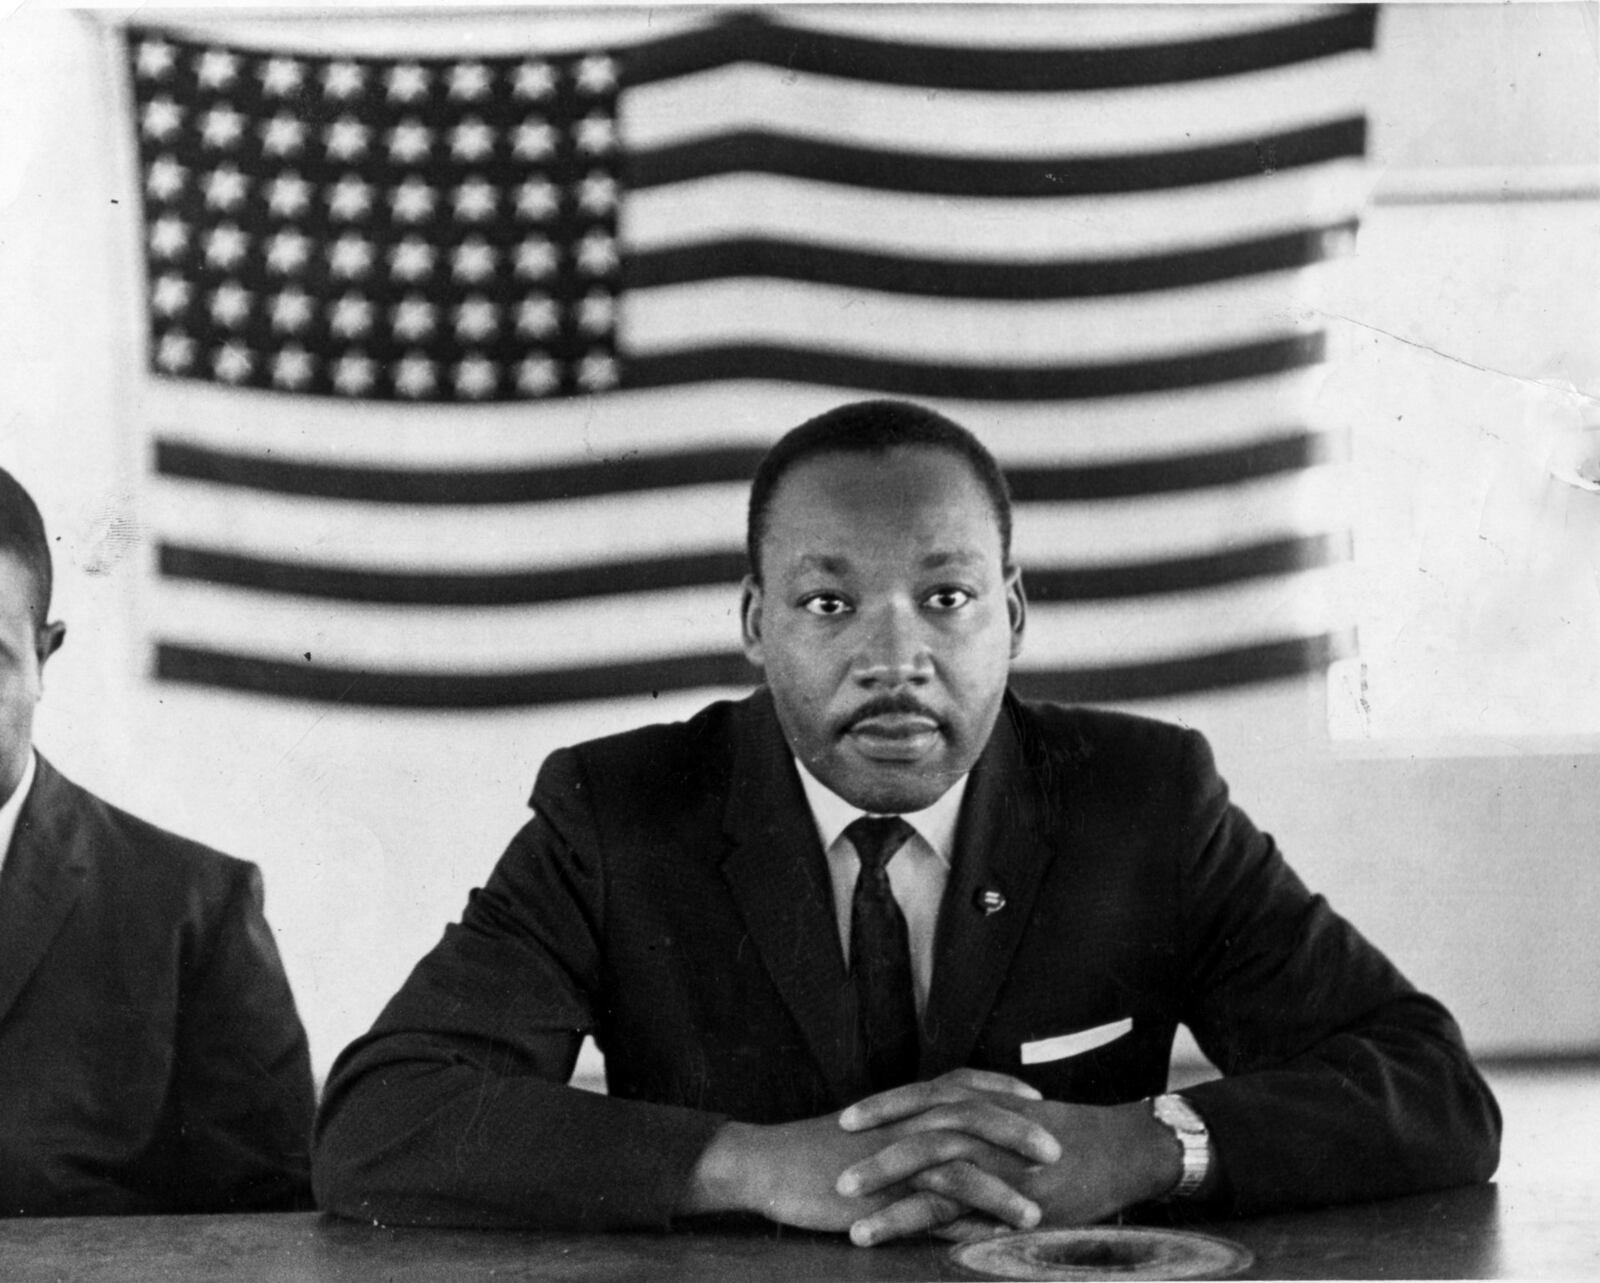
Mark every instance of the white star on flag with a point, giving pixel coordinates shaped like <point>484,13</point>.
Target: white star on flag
<point>162,117</point>
<point>533,140</point>
<point>170,295</point>
<point>537,375</point>
<point>597,194</point>
<point>352,316</point>
<point>597,312</point>
<point>350,198</point>
<point>412,201</point>
<point>283,135</point>
<point>232,363</point>
<point>414,375</point>
<point>596,74</point>
<point>409,142</point>
<point>175,352</point>
<point>288,195</point>
<point>536,257</point>
<point>346,138</point>
<point>230,303</point>
<point>350,256</point>
<point>342,79</point>
<point>597,372</point>
<point>474,200</point>
<point>155,59</point>
<point>222,127</point>
<point>280,77</point>
<point>534,80</point>
<point>411,259</point>
<point>225,246</point>
<point>537,198</point>
<point>472,260</point>
<point>165,179</point>
<point>596,134</point>
<point>476,319</point>
<point>469,80</point>
<point>291,368</point>
<point>537,316</point>
<point>352,374</point>
<point>413,318</point>
<point>169,236</point>
<point>291,310</point>
<point>471,140</point>
<point>407,81</point>
<point>597,254</point>
<point>225,187</point>
<point>475,377</point>
<point>217,68</point>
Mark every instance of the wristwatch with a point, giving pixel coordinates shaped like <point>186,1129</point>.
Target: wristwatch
<point>1178,1115</point>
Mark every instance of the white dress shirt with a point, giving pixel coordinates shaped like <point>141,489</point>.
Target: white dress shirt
<point>12,810</point>
<point>918,871</point>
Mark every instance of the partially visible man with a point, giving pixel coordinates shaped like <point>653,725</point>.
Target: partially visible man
<point>883,948</point>
<point>151,1059</point>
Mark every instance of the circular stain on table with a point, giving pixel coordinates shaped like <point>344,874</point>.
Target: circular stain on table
<point>1103,1252</point>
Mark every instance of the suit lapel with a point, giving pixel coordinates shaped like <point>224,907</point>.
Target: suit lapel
<point>1005,840</point>
<point>42,879</point>
<point>778,874</point>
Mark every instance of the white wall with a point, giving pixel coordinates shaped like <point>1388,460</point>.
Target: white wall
<point>1475,864</point>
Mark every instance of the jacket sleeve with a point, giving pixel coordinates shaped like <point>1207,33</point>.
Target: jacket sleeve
<point>1340,1080</point>
<point>243,1095</point>
<point>454,1108</point>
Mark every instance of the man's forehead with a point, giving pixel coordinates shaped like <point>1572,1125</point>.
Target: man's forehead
<point>842,562</point>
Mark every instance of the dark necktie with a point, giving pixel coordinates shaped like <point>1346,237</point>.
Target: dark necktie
<point>880,955</point>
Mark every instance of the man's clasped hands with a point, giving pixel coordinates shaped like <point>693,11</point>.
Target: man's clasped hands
<point>965,1155</point>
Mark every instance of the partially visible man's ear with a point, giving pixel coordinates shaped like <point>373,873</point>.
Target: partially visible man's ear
<point>1016,608</point>
<point>49,640</point>
<point>750,620</point>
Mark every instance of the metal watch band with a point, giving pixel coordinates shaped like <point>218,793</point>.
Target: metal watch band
<point>1178,1115</point>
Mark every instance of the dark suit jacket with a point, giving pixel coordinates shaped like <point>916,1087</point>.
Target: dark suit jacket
<point>150,1056</point>
<point>671,897</point>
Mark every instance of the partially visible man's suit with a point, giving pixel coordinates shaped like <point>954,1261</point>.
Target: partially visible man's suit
<point>670,896</point>
<point>151,1059</point>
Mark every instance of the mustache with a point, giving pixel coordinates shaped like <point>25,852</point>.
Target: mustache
<point>889,706</point>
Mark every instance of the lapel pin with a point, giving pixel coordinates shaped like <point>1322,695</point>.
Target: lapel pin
<point>987,900</point>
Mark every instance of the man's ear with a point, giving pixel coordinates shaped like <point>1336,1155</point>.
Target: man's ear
<point>1016,608</point>
<point>48,640</point>
<point>750,620</point>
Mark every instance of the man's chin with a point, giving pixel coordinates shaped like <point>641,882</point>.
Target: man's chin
<point>888,786</point>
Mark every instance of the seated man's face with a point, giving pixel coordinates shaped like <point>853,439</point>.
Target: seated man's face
<point>886,622</point>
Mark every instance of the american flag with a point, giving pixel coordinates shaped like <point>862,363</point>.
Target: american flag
<point>458,366</point>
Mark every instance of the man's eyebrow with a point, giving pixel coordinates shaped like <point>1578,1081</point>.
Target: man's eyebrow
<point>827,563</point>
<point>952,557</point>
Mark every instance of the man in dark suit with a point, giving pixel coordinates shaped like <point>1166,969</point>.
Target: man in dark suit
<point>950,1019</point>
<point>151,1059</point>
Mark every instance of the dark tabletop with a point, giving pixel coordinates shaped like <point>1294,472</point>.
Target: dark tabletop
<point>1479,1232</point>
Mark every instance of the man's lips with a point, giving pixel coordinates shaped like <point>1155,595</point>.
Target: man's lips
<point>894,726</point>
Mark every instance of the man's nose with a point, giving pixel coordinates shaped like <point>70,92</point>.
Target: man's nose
<point>894,648</point>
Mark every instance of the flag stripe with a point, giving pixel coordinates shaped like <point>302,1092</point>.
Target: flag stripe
<point>769,152</point>
<point>988,381</point>
<point>749,37</point>
<point>1030,483</point>
<point>574,583</point>
<point>747,256</point>
<point>1223,669</point>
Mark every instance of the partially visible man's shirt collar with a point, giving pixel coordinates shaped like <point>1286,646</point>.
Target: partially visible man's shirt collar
<point>936,824</point>
<point>12,810</point>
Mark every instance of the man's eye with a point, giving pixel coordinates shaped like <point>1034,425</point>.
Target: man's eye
<point>826,604</point>
<point>949,598</point>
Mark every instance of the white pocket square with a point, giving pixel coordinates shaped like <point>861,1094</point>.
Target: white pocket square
<point>1064,1045</point>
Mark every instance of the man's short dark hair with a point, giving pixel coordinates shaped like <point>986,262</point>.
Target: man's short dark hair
<point>872,427</point>
<point>22,535</point>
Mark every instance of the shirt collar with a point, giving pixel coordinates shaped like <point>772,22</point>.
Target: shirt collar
<point>12,810</point>
<point>935,825</point>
